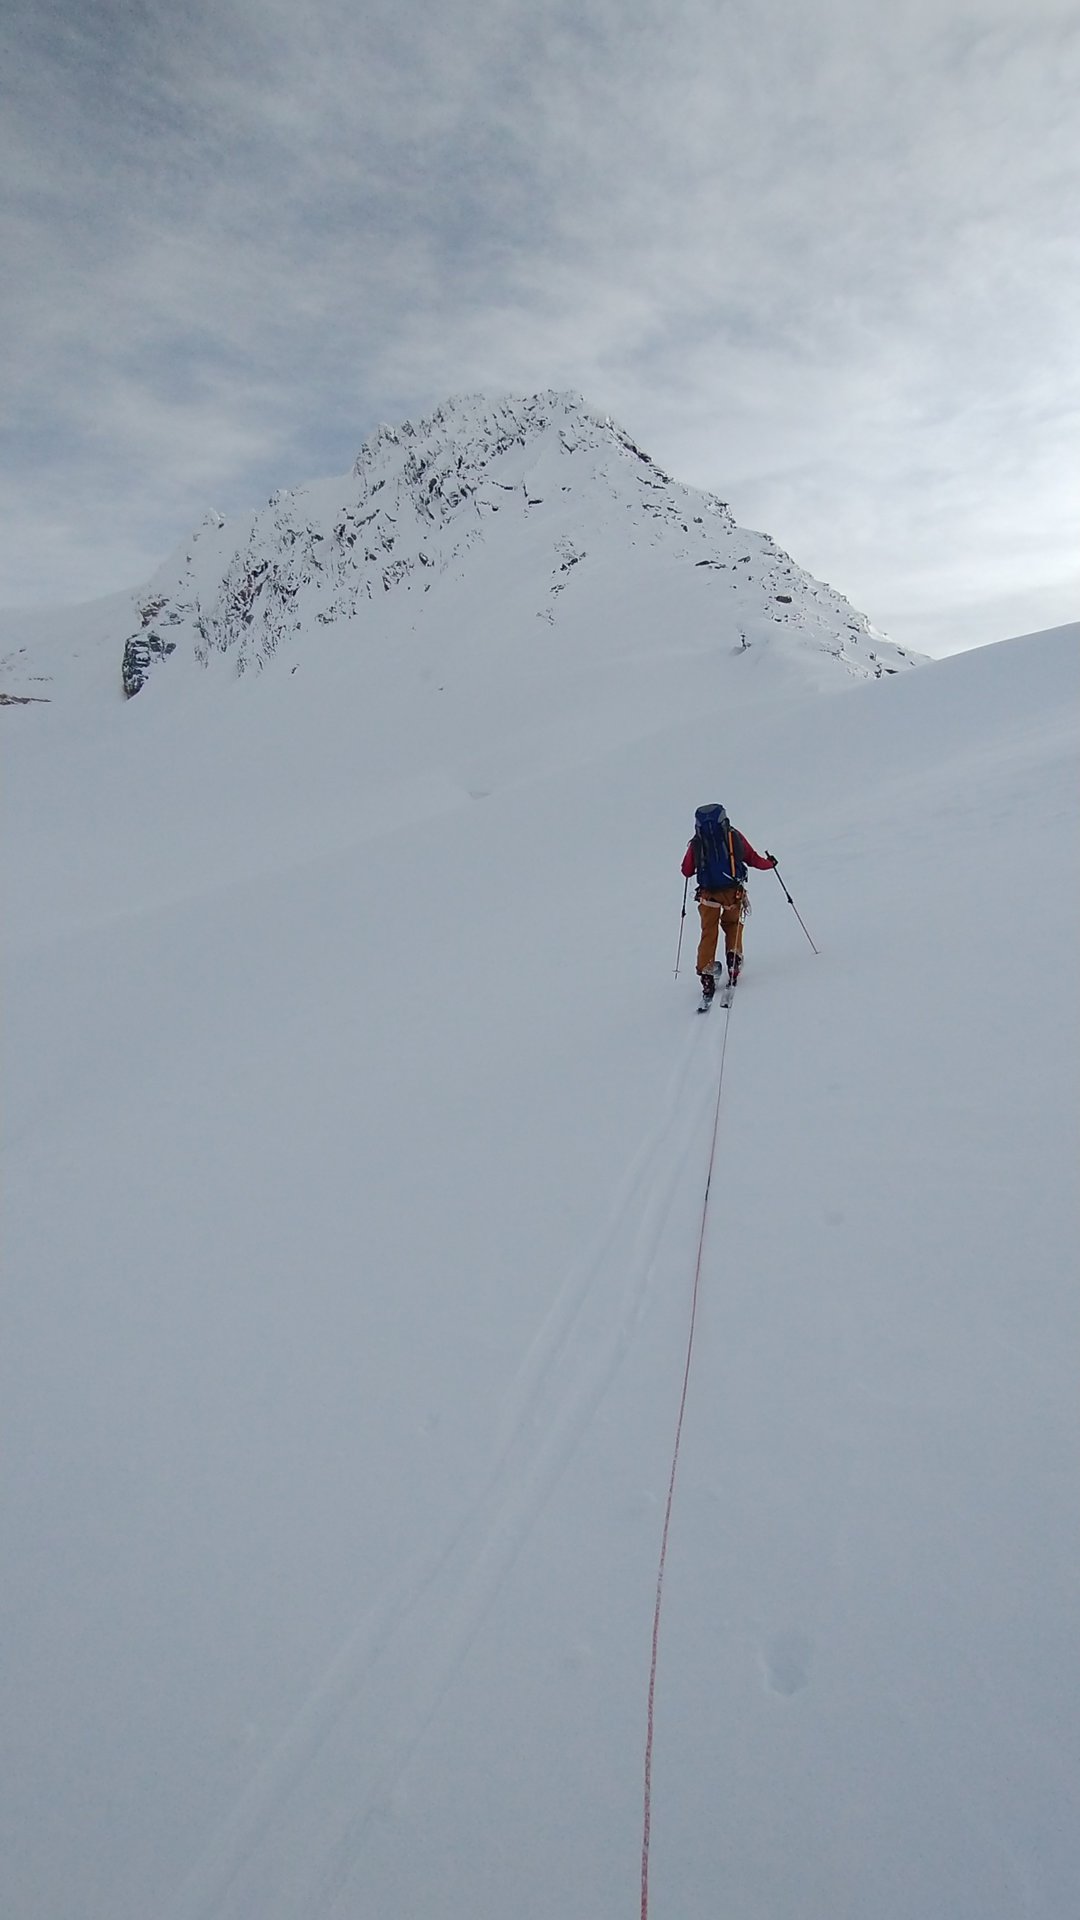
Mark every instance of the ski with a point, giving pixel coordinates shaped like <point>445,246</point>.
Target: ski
<point>723,992</point>
<point>722,996</point>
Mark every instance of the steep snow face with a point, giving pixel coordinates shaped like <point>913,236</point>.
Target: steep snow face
<point>521,516</point>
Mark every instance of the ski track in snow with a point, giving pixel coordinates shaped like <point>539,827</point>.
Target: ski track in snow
<point>414,1643</point>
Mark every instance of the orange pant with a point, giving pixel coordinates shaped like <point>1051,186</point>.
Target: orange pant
<point>722,907</point>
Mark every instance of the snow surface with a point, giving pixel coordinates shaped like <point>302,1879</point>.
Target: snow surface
<point>355,1140</point>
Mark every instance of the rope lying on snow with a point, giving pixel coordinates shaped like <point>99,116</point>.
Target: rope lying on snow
<point>647,1821</point>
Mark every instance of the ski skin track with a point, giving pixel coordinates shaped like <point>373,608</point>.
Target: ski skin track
<point>460,1581</point>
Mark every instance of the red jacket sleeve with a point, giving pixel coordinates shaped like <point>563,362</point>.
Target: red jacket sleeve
<point>751,856</point>
<point>688,863</point>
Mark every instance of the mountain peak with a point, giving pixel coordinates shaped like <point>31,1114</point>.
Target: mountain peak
<point>467,435</point>
<point>481,525</point>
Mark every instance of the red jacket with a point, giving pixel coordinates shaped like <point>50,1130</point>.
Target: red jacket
<point>752,858</point>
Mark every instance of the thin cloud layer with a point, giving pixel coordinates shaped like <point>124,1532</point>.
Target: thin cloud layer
<point>821,265</point>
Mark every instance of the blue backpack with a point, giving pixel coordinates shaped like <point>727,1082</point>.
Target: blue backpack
<point>717,853</point>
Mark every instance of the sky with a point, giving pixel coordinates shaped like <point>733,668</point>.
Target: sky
<point>818,257</point>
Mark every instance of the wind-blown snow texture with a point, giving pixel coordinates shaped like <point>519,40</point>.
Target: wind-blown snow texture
<point>356,1134</point>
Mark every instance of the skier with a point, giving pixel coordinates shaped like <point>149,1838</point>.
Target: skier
<point>719,854</point>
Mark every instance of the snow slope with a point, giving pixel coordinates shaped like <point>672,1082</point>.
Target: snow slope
<point>355,1141</point>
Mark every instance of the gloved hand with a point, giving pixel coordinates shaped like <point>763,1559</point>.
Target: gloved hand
<point>770,857</point>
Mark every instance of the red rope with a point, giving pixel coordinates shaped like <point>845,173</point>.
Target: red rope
<point>647,1823</point>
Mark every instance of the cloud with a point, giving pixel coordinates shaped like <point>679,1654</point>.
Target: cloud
<point>820,262</point>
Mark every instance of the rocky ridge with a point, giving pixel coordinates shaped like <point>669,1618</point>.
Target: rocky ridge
<point>563,487</point>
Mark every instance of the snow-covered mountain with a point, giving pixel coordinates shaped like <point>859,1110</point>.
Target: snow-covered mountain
<point>551,501</point>
<point>356,1144</point>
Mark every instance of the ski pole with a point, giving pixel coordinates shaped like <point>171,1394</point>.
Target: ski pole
<point>793,907</point>
<point>682,923</point>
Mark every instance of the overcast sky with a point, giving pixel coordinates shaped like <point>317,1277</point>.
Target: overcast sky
<point>819,256</point>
